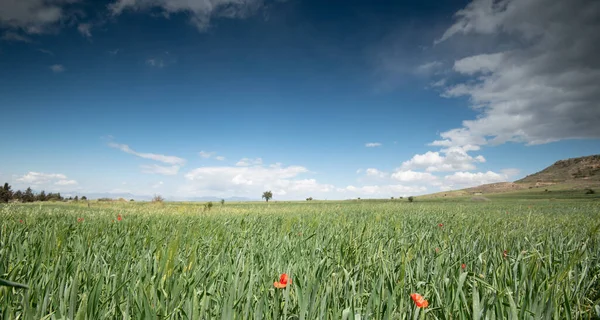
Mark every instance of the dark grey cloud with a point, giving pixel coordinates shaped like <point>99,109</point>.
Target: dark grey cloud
<point>545,89</point>
<point>200,11</point>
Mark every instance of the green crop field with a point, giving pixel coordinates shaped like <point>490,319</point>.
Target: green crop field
<point>347,260</point>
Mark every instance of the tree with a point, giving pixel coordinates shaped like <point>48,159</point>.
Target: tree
<point>41,196</point>
<point>18,196</point>
<point>76,198</point>
<point>411,199</point>
<point>267,195</point>
<point>28,196</point>
<point>5,193</point>
<point>158,198</point>
<point>84,198</point>
<point>222,202</point>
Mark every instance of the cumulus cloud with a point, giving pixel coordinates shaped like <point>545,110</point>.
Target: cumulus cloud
<point>373,144</point>
<point>469,179</point>
<point>57,68</point>
<point>544,88</point>
<point>156,169</point>
<point>200,11</point>
<point>40,178</point>
<point>152,156</point>
<point>372,172</point>
<point>245,162</point>
<point>220,158</point>
<point>32,16</point>
<point>448,159</point>
<point>510,172</point>
<point>413,176</point>
<point>251,181</point>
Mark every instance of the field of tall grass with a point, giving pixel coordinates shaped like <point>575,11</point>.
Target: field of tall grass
<point>345,260</point>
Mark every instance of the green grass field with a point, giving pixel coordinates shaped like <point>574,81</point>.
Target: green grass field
<point>347,260</point>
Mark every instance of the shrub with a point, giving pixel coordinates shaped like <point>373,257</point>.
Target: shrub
<point>589,191</point>
<point>158,199</point>
<point>411,199</point>
<point>222,202</point>
<point>208,206</point>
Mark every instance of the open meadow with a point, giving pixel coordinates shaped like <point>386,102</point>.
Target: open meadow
<point>505,259</point>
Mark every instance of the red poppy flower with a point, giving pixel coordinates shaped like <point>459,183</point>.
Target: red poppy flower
<point>119,218</point>
<point>440,225</point>
<point>463,266</point>
<point>283,281</point>
<point>79,219</point>
<point>21,221</point>
<point>437,250</point>
<point>505,253</point>
<point>419,300</point>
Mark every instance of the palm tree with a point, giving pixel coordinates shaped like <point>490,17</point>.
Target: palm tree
<point>267,195</point>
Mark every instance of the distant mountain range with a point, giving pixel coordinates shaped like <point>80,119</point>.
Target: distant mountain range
<point>127,196</point>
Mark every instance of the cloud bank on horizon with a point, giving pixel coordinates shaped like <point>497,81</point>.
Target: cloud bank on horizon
<point>538,84</point>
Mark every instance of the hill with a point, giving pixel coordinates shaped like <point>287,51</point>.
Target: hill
<point>585,168</point>
<point>567,175</point>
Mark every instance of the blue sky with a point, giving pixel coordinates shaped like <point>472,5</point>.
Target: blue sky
<point>338,100</point>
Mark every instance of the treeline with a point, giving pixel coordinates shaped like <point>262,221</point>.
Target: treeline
<point>8,195</point>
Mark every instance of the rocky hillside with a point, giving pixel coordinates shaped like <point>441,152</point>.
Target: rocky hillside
<point>585,168</point>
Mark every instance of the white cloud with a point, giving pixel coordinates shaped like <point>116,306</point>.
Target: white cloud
<point>373,144</point>
<point>220,158</point>
<point>206,154</point>
<point>200,11</point>
<point>244,162</point>
<point>448,159</point>
<point>428,68</point>
<point>544,87</point>
<point>66,183</point>
<point>510,172</point>
<point>251,181</point>
<point>468,179</point>
<point>33,16</point>
<point>372,172</point>
<point>57,68</point>
<point>37,178</point>
<point>48,52</point>
<point>158,63</point>
<point>156,169</point>
<point>157,157</point>
<point>85,29</point>
<point>484,63</point>
<point>13,36</point>
<point>413,176</point>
